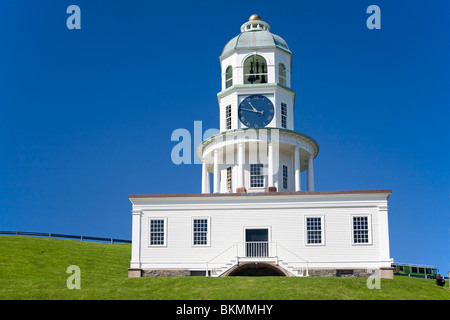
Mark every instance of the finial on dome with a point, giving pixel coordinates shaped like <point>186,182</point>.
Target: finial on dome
<point>254,17</point>
<point>255,23</point>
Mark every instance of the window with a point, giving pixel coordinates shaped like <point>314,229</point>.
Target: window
<point>229,179</point>
<point>157,232</point>
<point>283,115</point>
<point>285,177</point>
<point>360,229</point>
<point>200,232</point>
<point>256,176</point>
<point>282,74</point>
<point>228,117</point>
<point>228,77</point>
<point>314,230</point>
<point>255,70</point>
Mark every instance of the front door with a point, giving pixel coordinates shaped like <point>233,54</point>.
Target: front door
<point>257,242</point>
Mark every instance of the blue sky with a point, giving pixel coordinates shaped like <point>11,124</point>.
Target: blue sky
<point>86,116</point>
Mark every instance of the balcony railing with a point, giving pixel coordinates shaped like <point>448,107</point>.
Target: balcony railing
<point>257,249</point>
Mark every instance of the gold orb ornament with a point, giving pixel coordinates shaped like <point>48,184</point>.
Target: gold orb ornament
<point>254,17</point>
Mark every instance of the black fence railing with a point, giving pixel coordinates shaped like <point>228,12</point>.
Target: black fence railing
<point>63,236</point>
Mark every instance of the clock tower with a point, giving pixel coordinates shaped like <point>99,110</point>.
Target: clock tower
<point>257,149</point>
<point>259,218</point>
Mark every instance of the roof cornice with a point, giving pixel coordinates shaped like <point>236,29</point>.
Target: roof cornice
<point>238,87</point>
<point>300,194</point>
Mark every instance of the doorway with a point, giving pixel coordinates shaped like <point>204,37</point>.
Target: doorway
<point>257,242</point>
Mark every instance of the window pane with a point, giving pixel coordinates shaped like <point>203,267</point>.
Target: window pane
<point>360,230</point>
<point>157,232</point>
<point>228,117</point>
<point>283,115</point>
<point>229,179</point>
<point>282,74</point>
<point>256,176</point>
<point>314,230</point>
<point>285,177</point>
<point>200,231</point>
<point>229,77</point>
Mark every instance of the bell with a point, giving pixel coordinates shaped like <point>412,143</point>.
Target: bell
<point>252,77</point>
<point>257,70</point>
<point>263,77</point>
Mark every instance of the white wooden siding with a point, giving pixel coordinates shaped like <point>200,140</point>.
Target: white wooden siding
<point>285,216</point>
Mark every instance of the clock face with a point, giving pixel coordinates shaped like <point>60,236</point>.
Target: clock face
<point>256,111</point>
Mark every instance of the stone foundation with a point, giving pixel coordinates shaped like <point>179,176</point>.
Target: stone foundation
<point>384,273</point>
<point>342,273</point>
<point>134,273</point>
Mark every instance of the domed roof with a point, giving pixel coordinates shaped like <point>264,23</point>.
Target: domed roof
<point>255,34</point>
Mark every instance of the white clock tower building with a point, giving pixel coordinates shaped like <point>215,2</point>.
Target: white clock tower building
<point>256,218</point>
<point>257,149</point>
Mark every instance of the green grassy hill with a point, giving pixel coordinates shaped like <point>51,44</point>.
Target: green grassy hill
<point>35,268</point>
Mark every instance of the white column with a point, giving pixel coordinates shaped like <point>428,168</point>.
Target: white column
<point>205,178</point>
<point>310,173</point>
<point>136,239</point>
<point>216,172</point>
<point>297,169</point>
<point>270,165</point>
<point>208,182</point>
<point>384,232</point>
<point>241,155</point>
